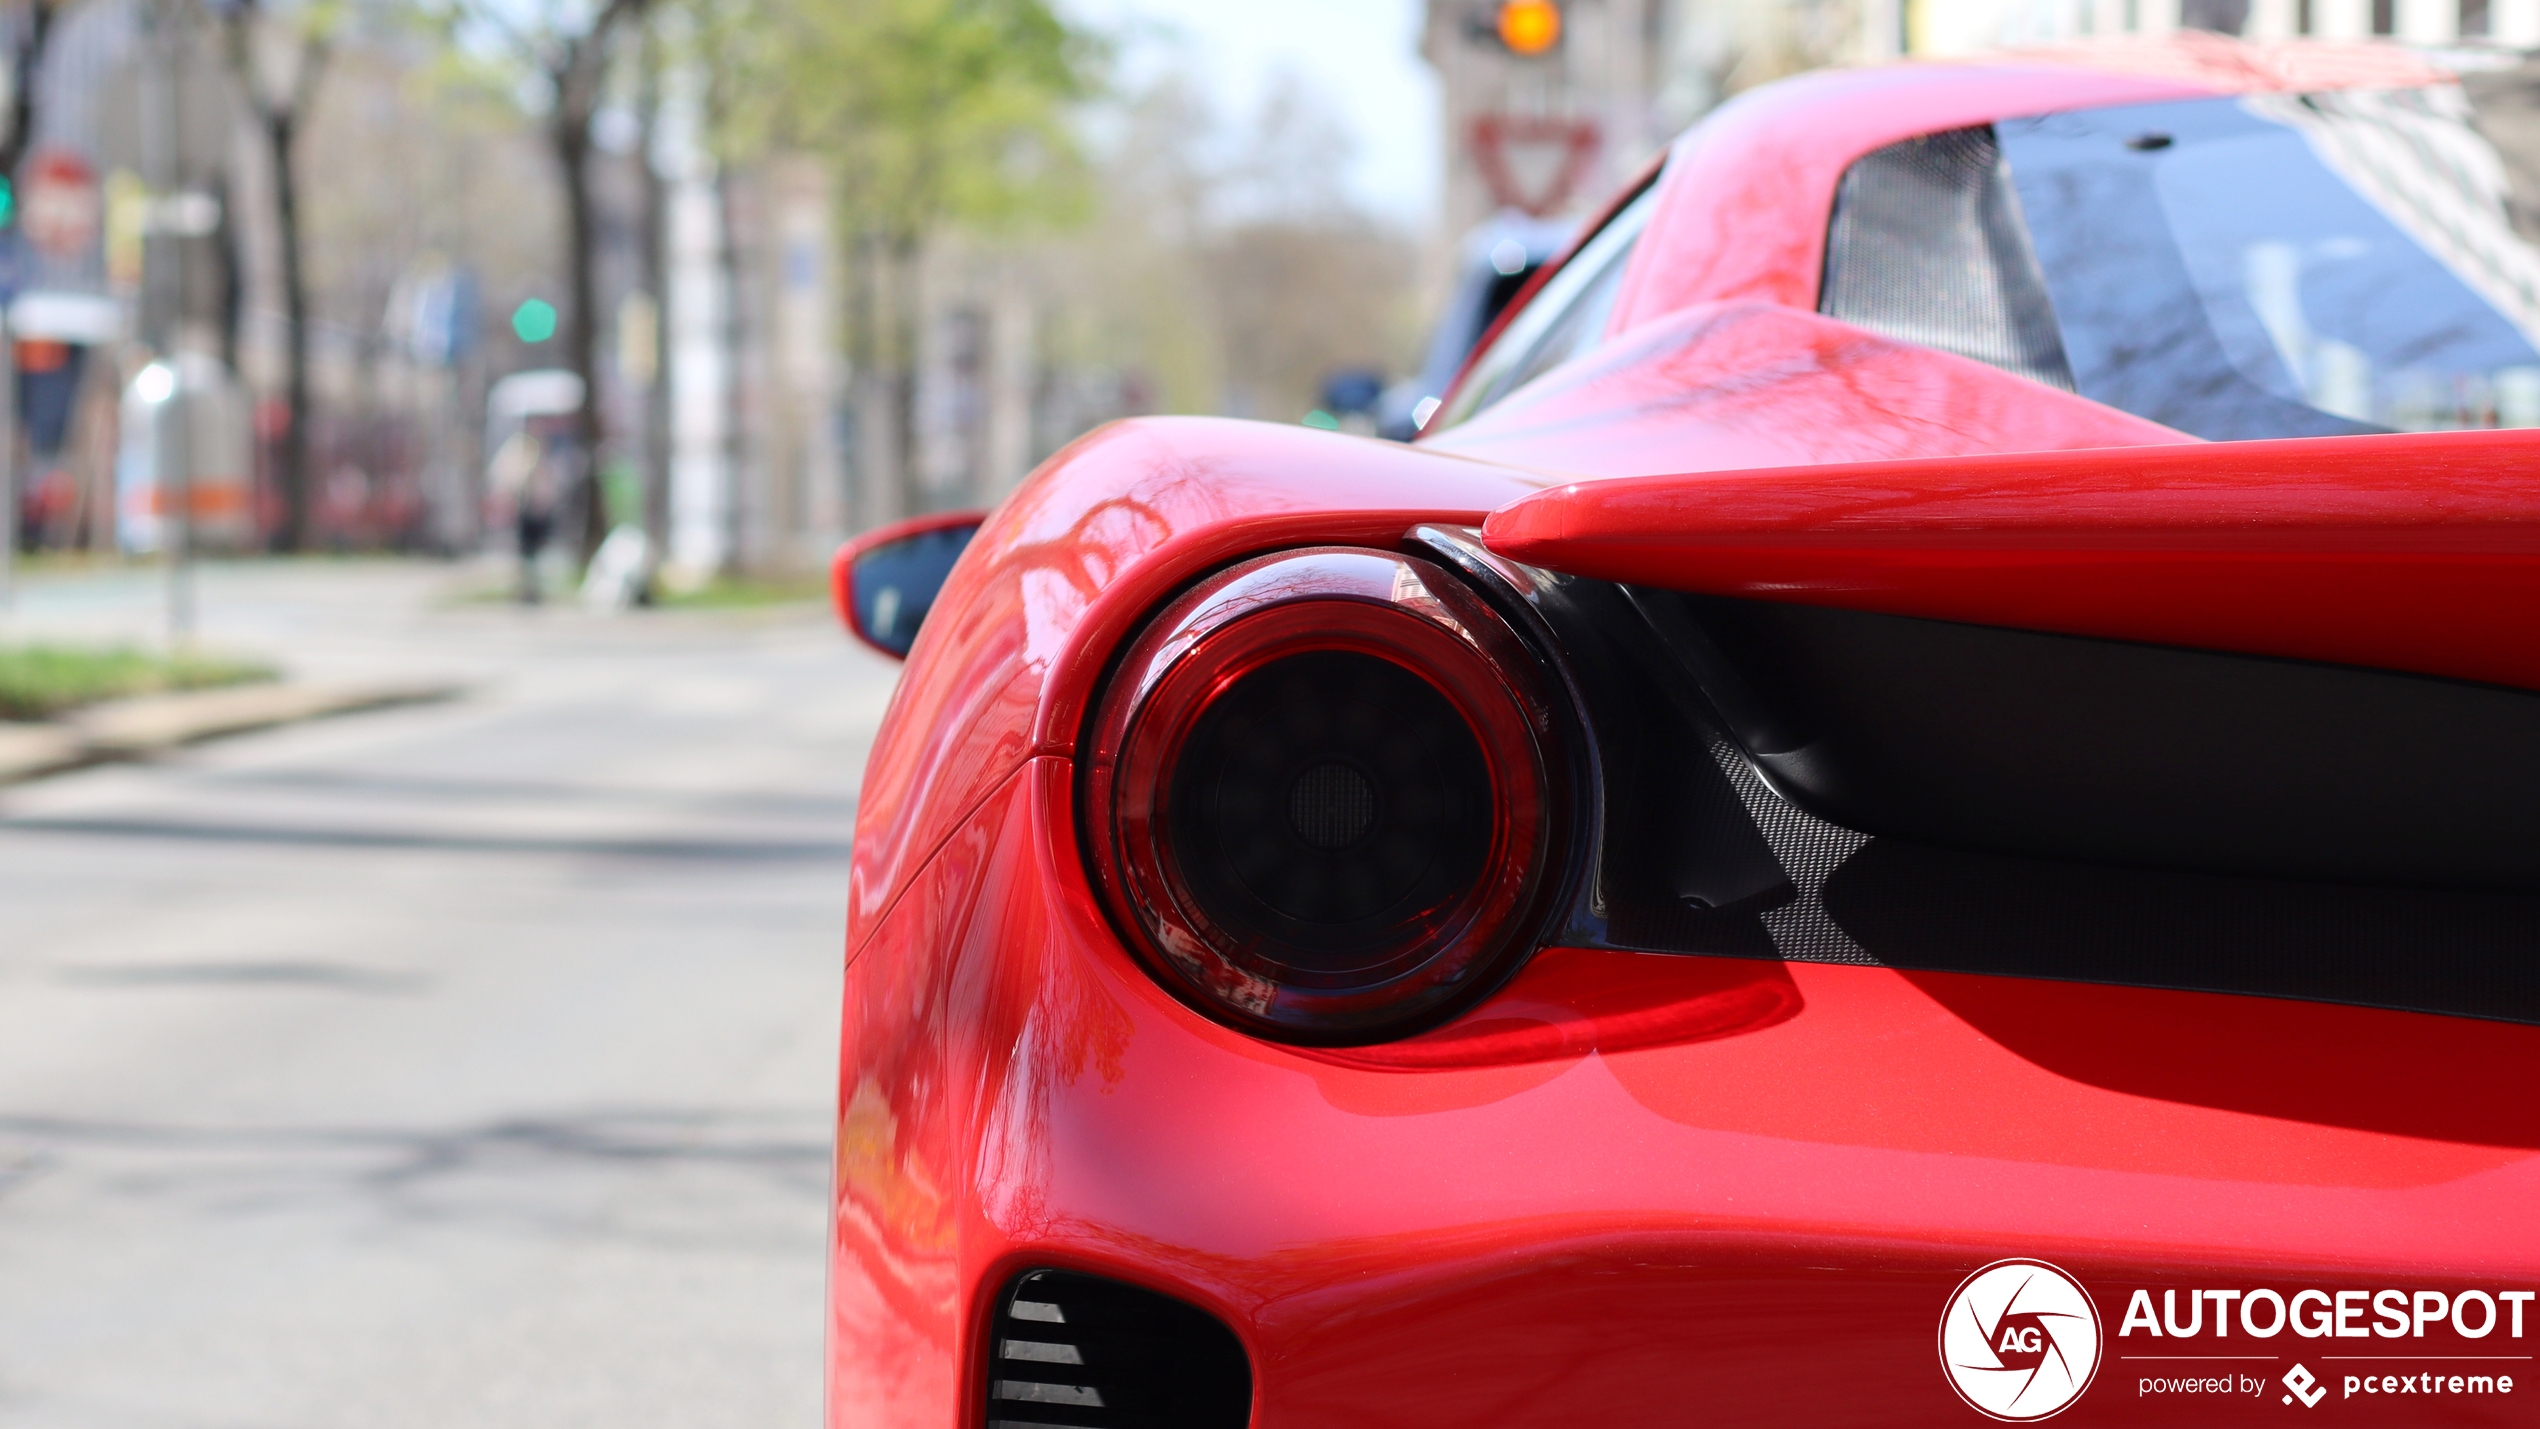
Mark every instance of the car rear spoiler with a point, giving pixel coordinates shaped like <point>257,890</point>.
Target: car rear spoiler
<point>2417,552</point>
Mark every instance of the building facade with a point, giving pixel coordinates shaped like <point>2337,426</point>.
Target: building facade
<point>1553,131</point>
<point>1952,27</point>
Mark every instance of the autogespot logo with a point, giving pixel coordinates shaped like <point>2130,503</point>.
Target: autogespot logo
<point>2020,1340</point>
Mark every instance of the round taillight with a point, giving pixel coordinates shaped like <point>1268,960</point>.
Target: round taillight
<point>1322,796</point>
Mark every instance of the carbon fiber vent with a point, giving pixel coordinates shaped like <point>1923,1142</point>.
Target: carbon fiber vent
<point>1074,1351</point>
<point>1927,245</point>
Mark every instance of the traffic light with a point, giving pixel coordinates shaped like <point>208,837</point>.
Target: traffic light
<point>1529,27</point>
<point>8,202</point>
<point>534,320</point>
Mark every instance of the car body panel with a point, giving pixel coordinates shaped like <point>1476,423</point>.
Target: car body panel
<point>1744,384</point>
<point>2415,552</point>
<point>1627,1187</point>
<point>1575,1201</point>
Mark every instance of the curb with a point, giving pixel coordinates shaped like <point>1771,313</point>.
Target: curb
<point>29,750</point>
<point>150,724</point>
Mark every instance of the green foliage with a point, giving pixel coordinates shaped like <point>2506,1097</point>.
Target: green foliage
<point>622,493</point>
<point>928,112</point>
<point>736,593</point>
<point>41,681</point>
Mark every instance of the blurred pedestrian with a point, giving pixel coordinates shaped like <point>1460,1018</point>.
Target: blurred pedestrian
<point>529,474</point>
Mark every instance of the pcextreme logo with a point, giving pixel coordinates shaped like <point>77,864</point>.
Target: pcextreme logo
<point>2019,1340</point>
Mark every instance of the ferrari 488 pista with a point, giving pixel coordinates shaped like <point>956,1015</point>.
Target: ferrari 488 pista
<point>1919,802</point>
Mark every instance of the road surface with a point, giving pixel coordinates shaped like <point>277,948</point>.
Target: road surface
<point>462,1066</point>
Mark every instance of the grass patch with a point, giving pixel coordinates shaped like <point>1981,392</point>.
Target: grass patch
<point>742,593</point>
<point>41,681</point>
<point>720,593</point>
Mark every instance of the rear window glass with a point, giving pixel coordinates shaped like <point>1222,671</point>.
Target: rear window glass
<point>2264,266</point>
<point>1566,318</point>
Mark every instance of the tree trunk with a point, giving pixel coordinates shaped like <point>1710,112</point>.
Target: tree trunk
<point>291,468</point>
<point>230,253</point>
<point>572,137</point>
<point>577,74</point>
<point>278,125</point>
<point>656,281</point>
<point>30,71</point>
<point>906,300</point>
<point>877,496</point>
<point>736,375</point>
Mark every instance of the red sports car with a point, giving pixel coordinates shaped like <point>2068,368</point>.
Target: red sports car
<point>1920,803</point>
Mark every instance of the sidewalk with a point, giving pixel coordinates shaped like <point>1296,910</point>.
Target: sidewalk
<point>139,728</point>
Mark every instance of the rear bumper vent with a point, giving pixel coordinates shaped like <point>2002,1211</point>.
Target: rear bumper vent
<point>1070,1351</point>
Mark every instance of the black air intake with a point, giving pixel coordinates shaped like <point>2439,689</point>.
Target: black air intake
<point>1927,245</point>
<point>1073,1351</point>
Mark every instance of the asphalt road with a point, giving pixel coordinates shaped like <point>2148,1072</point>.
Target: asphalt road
<point>461,1066</point>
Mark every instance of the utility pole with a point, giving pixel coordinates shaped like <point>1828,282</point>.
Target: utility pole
<point>8,467</point>
<point>26,71</point>
<point>163,299</point>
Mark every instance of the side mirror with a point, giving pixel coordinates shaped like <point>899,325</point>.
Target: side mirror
<point>885,581</point>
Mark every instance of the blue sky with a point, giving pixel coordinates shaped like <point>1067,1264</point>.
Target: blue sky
<point>1362,55</point>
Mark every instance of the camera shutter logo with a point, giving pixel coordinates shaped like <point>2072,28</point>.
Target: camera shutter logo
<point>2020,1340</point>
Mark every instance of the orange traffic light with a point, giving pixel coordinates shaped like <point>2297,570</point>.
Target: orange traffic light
<point>1529,27</point>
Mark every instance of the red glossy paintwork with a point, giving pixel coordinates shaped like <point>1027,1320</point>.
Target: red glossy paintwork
<point>1726,385</point>
<point>842,564</point>
<point>1627,1183</point>
<point>2417,552</point>
<point>1625,1189</point>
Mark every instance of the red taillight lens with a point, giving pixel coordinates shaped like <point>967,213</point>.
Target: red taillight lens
<point>1321,795</point>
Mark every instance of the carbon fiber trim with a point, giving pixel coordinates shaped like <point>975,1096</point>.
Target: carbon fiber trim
<point>1717,772</point>
<point>1927,245</point>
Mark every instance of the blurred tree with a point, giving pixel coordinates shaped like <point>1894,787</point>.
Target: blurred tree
<point>1302,280</point>
<point>34,23</point>
<point>569,43</point>
<point>277,61</point>
<point>651,252</point>
<point>1229,266</point>
<point>932,115</point>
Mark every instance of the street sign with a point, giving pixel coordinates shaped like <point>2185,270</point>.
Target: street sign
<point>60,210</point>
<point>1533,162</point>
